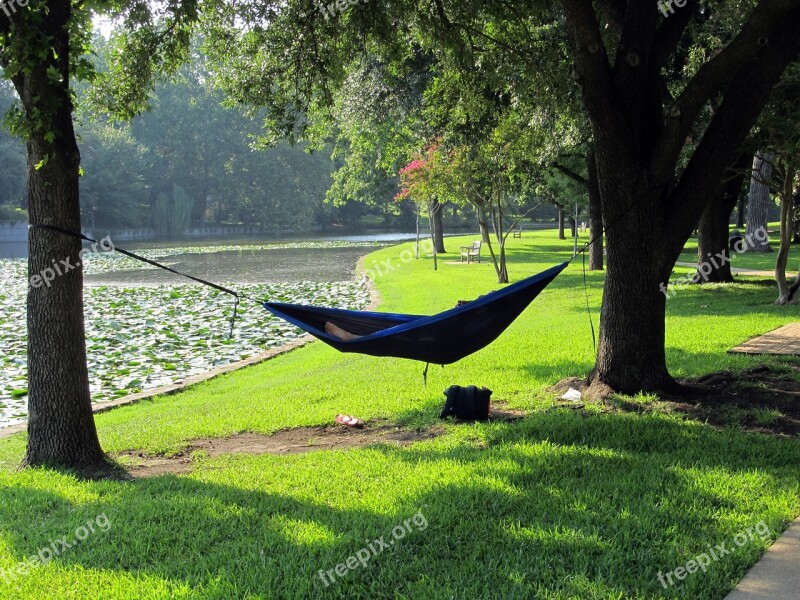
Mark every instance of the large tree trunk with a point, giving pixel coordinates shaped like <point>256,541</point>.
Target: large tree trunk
<point>437,227</point>
<point>632,299</point>
<point>561,235</point>
<point>713,253</point>
<point>759,202</point>
<point>595,216</point>
<point>61,430</point>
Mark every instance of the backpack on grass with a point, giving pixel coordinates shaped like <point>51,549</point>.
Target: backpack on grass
<point>466,402</point>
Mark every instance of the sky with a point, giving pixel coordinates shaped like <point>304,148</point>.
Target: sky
<point>103,25</point>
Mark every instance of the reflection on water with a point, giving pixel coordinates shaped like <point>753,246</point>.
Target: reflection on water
<point>247,266</point>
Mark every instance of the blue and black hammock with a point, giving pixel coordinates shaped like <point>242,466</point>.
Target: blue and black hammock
<point>439,339</point>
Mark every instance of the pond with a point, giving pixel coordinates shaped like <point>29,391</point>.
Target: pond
<point>148,328</point>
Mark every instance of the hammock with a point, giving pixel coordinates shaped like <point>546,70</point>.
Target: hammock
<point>439,339</point>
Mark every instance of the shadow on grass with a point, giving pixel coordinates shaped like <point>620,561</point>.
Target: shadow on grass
<point>561,504</point>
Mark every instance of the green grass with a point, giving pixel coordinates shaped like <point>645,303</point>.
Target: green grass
<point>563,504</point>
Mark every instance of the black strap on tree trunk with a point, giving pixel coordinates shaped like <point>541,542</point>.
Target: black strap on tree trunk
<point>135,256</point>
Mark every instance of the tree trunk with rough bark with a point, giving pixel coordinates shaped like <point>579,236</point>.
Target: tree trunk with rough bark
<point>561,235</point>
<point>436,226</point>
<point>740,210</point>
<point>61,429</point>
<point>713,252</point>
<point>786,294</point>
<point>595,216</point>
<point>497,223</point>
<point>484,228</point>
<point>759,202</point>
<point>628,362</point>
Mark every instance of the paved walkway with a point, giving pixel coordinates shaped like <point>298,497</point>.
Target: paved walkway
<point>735,270</point>
<point>784,340</point>
<point>776,576</point>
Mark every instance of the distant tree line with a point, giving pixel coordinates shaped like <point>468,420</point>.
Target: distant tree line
<point>193,154</point>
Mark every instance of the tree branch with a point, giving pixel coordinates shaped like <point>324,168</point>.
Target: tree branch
<point>570,173</point>
<point>731,124</point>
<point>766,21</point>
<point>593,73</point>
<point>668,36</point>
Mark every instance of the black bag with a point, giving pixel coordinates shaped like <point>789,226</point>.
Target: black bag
<point>466,402</point>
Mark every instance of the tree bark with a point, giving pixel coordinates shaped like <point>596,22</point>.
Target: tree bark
<point>713,253</point>
<point>595,216</point>
<point>630,351</point>
<point>484,228</point>
<point>758,204</point>
<point>786,294</point>
<point>561,235</point>
<point>61,429</point>
<point>740,210</point>
<point>437,227</point>
<point>497,223</point>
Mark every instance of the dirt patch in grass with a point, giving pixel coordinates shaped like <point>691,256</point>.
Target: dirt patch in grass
<point>760,399</point>
<point>292,441</point>
<point>286,441</point>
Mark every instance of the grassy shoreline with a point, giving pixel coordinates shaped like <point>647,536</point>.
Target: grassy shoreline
<point>563,504</point>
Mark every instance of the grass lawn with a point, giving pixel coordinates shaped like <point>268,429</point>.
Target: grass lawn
<point>562,504</point>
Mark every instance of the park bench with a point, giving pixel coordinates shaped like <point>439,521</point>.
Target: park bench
<point>517,232</point>
<point>471,252</point>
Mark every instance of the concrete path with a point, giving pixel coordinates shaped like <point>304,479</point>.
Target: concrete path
<point>734,270</point>
<point>777,575</point>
